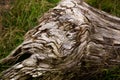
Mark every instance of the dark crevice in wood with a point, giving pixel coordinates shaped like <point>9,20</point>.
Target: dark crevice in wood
<point>17,52</point>
<point>23,57</point>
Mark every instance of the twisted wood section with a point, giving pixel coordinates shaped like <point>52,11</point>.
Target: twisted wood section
<point>67,36</point>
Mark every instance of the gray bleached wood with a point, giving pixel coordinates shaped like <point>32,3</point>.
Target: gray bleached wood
<point>68,37</point>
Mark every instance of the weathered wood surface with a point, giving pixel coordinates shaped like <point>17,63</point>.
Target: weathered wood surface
<point>69,38</point>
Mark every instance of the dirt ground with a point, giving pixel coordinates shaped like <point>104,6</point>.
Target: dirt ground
<point>4,4</point>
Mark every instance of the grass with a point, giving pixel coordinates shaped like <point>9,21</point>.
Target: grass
<point>110,6</point>
<point>107,74</point>
<point>23,16</point>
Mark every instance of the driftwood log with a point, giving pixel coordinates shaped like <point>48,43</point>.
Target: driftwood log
<point>72,38</point>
